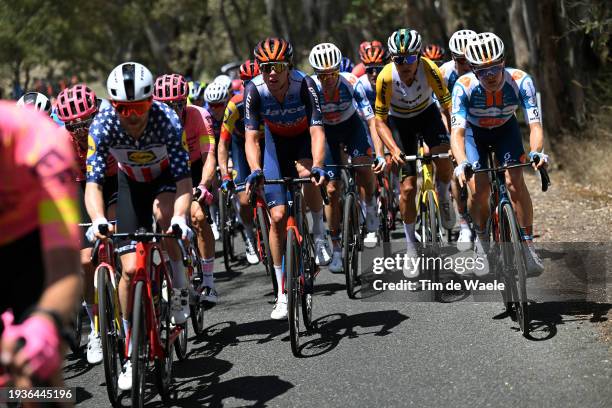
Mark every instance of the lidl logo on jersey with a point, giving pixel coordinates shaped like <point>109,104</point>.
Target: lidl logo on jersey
<point>141,157</point>
<point>91,146</point>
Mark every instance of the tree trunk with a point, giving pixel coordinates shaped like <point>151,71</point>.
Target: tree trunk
<point>229,30</point>
<point>519,39</point>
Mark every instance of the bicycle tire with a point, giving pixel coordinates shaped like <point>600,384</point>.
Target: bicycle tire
<point>264,251</point>
<point>140,347</point>
<point>383,199</point>
<point>111,350</point>
<point>293,291</point>
<point>433,240</point>
<point>163,366</point>
<point>180,343</point>
<point>225,233</point>
<point>77,333</point>
<point>197,309</point>
<point>309,270</point>
<point>349,244</point>
<point>517,261</point>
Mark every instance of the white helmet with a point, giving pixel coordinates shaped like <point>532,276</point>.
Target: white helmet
<point>459,40</point>
<point>129,81</point>
<point>484,49</point>
<point>216,92</point>
<point>224,79</point>
<point>39,101</point>
<point>404,41</point>
<point>325,57</point>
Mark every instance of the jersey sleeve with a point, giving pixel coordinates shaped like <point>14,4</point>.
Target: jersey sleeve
<point>252,103</point>
<point>528,97</point>
<point>384,85</point>
<point>178,152</point>
<point>58,209</point>
<point>97,149</point>
<point>436,82</point>
<point>310,98</point>
<point>363,104</point>
<point>230,117</point>
<point>459,106</point>
<point>207,134</point>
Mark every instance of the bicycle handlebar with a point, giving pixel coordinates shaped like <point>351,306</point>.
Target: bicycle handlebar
<point>288,181</point>
<point>415,157</point>
<point>543,173</point>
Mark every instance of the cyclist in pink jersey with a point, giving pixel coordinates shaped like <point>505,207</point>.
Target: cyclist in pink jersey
<point>38,220</point>
<point>76,108</point>
<point>199,136</point>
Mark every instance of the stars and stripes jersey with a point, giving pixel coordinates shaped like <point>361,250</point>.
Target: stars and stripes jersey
<point>160,146</point>
<point>394,97</point>
<point>198,132</point>
<point>369,90</point>
<point>37,188</point>
<point>348,96</point>
<point>233,118</point>
<point>479,107</point>
<point>293,117</point>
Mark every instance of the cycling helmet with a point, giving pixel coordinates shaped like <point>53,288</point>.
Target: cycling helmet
<point>77,102</point>
<point>36,99</point>
<point>273,49</point>
<point>374,55</point>
<point>404,41</point>
<point>170,88</point>
<point>129,81</point>
<point>459,40</point>
<point>434,52</point>
<point>196,90</point>
<point>325,57</point>
<point>249,70</point>
<point>216,92</point>
<point>223,79</point>
<point>484,49</point>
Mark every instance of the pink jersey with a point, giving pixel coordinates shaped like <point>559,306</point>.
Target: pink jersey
<point>37,188</point>
<point>198,132</point>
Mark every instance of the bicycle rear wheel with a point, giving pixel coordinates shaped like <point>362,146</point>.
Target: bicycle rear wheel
<point>196,308</point>
<point>112,349</point>
<point>292,265</point>
<point>140,347</point>
<point>383,213</point>
<point>350,246</point>
<point>433,241</point>
<point>163,366</point>
<point>225,220</point>
<point>263,229</point>
<point>515,268</point>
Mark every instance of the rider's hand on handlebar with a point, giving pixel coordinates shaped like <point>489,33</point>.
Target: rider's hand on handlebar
<point>204,196</point>
<point>96,230</point>
<point>253,180</point>
<point>318,176</point>
<point>186,232</point>
<point>460,172</point>
<point>379,164</point>
<point>542,160</point>
<point>397,157</point>
<point>228,183</point>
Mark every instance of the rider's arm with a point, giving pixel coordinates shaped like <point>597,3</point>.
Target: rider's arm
<point>225,141</point>
<point>208,154</point>
<point>368,114</point>
<point>310,98</point>
<point>459,122</point>
<point>183,197</point>
<point>435,79</point>
<point>252,124</point>
<point>531,110</point>
<point>178,155</point>
<point>381,109</point>
<point>97,159</point>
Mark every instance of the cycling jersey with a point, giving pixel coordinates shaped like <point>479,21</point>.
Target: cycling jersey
<point>340,106</point>
<point>369,90</point>
<point>359,70</point>
<point>233,118</point>
<point>473,104</point>
<point>159,147</point>
<point>450,74</point>
<point>216,124</point>
<point>394,97</point>
<point>37,188</point>
<point>198,132</point>
<point>299,110</point>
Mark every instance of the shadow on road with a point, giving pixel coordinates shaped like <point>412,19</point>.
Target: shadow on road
<point>546,316</point>
<point>334,327</point>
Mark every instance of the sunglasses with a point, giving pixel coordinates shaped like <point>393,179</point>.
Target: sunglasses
<point>373,70</point>
<point>138,108</point>
<point>489,72</point>
<point>177,106</point>
<point>404,59</point>
<point>278,67</point>
<point>328,75</point>
<point>74,127</point>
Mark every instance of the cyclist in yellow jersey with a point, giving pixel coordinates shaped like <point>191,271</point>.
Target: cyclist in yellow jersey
<point>404,99</point>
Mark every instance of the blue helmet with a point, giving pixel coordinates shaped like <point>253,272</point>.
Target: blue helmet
<point>346,65</point>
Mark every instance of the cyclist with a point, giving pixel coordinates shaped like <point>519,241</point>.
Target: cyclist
<point>451,71</point>
<point>373,59</point>
<point>217,97</point>
<point>36,99</point>
<point>285,100</point>
<point>144,136</point>
<point>38,219</point>
<point>196,93</point>
<point>487,98</point>
<point>232,134</point>
<point>198,134</point>
<point>359,69</point>
<point>435,53</point>
<point>76,107</point>
<point>339,93</point>
<point>404,97</point>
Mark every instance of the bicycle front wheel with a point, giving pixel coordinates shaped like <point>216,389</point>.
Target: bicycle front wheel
<point>140,347</point>
<point>350,246</point>
<point>226,233</point>
<point>263,230</point>
<point>109,334</point>
<point>433,241</point>
<point>515,267</point>
<point>292,265</point>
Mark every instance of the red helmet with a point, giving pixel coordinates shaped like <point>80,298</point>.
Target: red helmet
<point>434,52</point>
<point>170,88</point>
<point>249,70</point>
<point>78,102</point>
<point>273,49</point>
<point>374,55</point>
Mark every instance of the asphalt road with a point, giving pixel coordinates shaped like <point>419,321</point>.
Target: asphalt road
<point>374,353</point>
